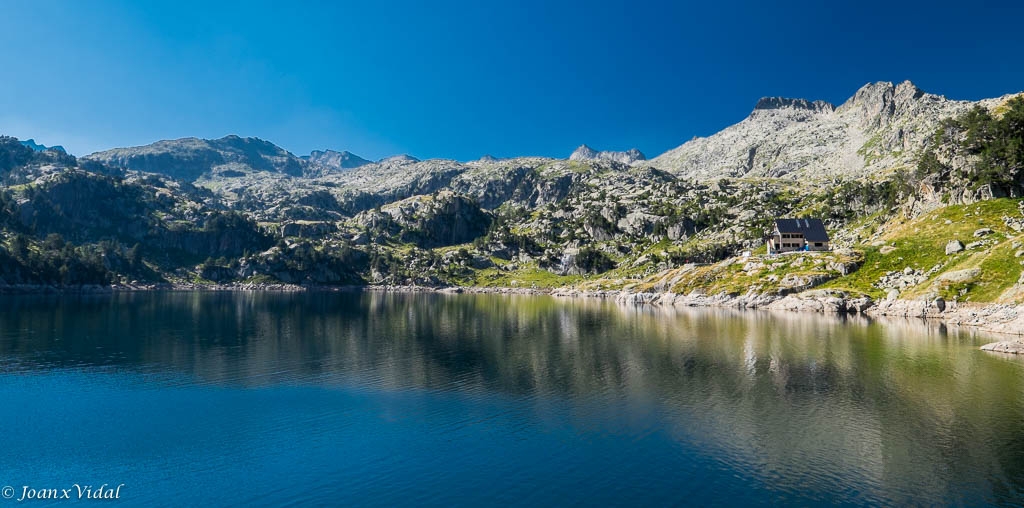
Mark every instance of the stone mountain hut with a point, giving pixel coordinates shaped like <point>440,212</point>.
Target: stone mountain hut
<point>791,235</point>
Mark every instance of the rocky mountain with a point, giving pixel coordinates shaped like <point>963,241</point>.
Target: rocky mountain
<point>243,209</point>
<point>189,158</point>
<point>398,159</point>
<point>31,143</point>
<point>20,163</point>
<point>585,153</point>
<point>327,161</point>
<point>881,128</point>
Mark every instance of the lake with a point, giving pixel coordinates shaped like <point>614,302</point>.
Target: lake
<point>437,400</point>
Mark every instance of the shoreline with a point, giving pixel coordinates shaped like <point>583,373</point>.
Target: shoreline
<point>1000,319</point>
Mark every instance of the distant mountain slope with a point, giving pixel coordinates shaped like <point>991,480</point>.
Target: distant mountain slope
<point>189,158</point>
<point>20,162</point>
<point>882,127</point>
<point>31,143</point>
<point>244,210</point>
<point>398,159</point>
<point>326,161</point>
<point>585,153</point>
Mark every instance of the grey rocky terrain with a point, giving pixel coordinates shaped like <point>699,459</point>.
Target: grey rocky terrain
<point>881,128</point>
<point>585,153</point>
<point>242,210</point>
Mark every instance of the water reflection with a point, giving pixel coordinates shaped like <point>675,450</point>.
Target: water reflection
<point>845,409</point>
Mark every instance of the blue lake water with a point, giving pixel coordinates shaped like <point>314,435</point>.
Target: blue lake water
<point>441,400</point>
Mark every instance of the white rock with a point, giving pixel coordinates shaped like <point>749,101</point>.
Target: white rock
<point>954,246</point>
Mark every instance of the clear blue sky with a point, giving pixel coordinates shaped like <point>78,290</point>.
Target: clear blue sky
<point>462,79</point>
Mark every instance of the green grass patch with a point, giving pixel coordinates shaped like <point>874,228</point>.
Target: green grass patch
<point>921,243</point>
<point>529,276</point>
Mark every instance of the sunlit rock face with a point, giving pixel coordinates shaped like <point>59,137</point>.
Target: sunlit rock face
<point>190,158</point>
<point>585,153</point>
<point>326,161</point>
<point>882,127</point>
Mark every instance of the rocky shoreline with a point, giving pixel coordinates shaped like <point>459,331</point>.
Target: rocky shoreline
<point>35,289</point>
<point>994,318</point>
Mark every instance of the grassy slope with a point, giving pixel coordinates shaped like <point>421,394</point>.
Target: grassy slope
<point>882,247</point>
<point>921,244</point>
<point>760,274</point>
<point>918,243</point>
<point>520,275</point>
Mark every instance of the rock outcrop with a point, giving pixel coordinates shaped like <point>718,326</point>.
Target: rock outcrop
<point>782,102</point>
<point>585,153</point>
<point>882,127</point>
<point>1015,347</point>
<point>189,158</point>
<point>327,161</point>
<point>399,159</point>
<point>31,143</point>
<point>437,220</point>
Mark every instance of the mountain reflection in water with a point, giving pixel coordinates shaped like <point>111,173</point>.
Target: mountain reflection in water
<point>686,405</point>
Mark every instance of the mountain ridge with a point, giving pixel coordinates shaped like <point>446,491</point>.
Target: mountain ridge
<point>585,153</point>
<point>882,127</point>
<point>189,158</point>
<point>328,160</point>
<point>31,143</point>
<point>239,209</point>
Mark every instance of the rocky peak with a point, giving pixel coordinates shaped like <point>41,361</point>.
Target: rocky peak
<point>331,160</point>
<point>585,153</point>
<point>399,159</point>
<point>31,143</point>
<point>190,158</point>
<point>876,103</point>
<point>804,104</point>
<point>882,126</point>
<point>247,145</point>
<point>882,91</point>
<point>907,87</point>
<point>635,155</point>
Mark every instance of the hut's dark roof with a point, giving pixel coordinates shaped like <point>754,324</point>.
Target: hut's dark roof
<point>812,229</point>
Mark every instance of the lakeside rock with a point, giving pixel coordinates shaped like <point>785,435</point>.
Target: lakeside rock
<point>1015,347</point>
